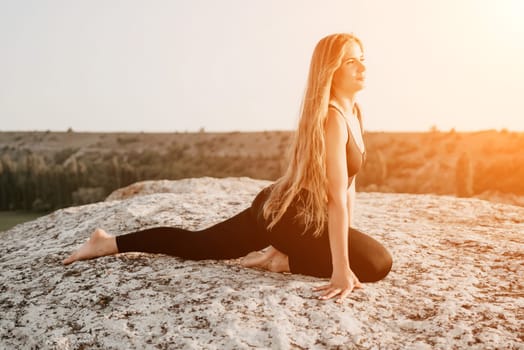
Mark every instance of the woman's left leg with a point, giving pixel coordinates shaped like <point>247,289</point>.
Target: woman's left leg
<point>368,258</point>
<point>310,255</point>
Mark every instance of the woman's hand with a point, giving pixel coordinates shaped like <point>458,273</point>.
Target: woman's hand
<point>342,283</point>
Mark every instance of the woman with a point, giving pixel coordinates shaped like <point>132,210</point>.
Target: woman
<point>305,216</point>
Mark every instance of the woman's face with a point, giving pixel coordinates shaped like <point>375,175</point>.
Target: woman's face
<point>349,77</point>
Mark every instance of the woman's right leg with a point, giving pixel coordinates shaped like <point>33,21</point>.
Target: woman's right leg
<point>99,244</point>
<point>232,238</point>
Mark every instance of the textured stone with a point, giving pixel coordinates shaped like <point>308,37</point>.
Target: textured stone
<point>456,282</point>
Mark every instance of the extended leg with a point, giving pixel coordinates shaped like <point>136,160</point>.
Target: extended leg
<point>232,238</point>
<point>99,244</point>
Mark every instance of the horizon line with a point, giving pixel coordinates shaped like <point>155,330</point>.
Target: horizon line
<point>205,131</point>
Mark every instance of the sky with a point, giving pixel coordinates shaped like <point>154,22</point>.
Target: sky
<point>241,65</point>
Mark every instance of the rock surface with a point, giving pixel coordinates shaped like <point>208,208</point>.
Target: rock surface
<point>456,282</point>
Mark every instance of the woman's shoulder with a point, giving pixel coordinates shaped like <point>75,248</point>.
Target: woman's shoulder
<point>335,124</point>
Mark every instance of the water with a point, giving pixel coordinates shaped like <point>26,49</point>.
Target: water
<point>9,219</point>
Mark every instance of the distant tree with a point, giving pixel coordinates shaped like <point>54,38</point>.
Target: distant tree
<point>71,173</point>
<point>57,179</point>
<point>124,140</point>
<point>64,154</point>
<point>464,176</point>
<point>7,183</point>
<point>128,174</point>
<point>116,173</point>
<point>40,176</point>
<point>375,170</point>
<point>39,205</point>
<point>82,173</point>
<point>382,168</point>
<point>30,166</point>
<point>85,195</point>
<point>72,166</point>
<point>3,194</point>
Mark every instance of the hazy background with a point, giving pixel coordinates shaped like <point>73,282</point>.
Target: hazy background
<point>242,65</point>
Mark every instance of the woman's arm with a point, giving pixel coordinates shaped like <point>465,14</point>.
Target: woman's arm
<point>351,195</point>
<point>343,281</point>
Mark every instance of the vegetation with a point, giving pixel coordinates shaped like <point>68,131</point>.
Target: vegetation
<point>464,176</point>
<point>49,170</point>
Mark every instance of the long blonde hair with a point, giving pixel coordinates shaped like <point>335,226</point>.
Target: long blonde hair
<point>307,165</point>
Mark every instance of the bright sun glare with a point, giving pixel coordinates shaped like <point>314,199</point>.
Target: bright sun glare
<point>511,16</point>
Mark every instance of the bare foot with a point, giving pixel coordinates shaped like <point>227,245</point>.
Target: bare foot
<point>269,259</point>
<point>99,244</point>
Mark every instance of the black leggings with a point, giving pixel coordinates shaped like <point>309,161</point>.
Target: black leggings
<point>246,232</point>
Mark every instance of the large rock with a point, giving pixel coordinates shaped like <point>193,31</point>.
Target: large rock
<point>456,282</point>
<point>193,186</point>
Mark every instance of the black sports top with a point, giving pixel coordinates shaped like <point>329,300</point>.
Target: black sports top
<point>354,158</point>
